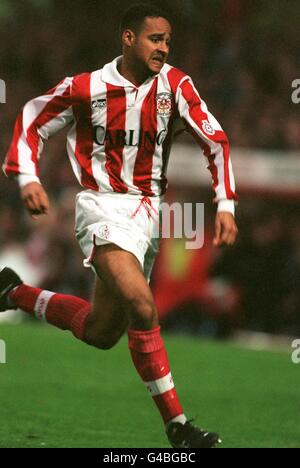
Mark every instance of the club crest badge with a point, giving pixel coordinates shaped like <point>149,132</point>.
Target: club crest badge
<point>104,232</point>
<point>207,127</point>
<point>164,104</point>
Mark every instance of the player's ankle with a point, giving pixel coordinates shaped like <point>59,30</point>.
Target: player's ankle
<point>181,418</point>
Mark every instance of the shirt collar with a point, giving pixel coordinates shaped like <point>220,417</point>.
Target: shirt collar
<point>111,75</point>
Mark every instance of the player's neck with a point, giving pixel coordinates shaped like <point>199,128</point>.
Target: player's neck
<point>131,72</point>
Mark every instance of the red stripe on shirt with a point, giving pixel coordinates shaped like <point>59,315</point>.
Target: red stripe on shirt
<point>11,165</point>
<point>52,109</point>
<point>174,77</point>
<point>207,152</point>
<point>229,193</point>
<point>198,116</point>
<point>84,129</point>
<point>115,136</point>
<point>52,90</point>
<point>142,175</point>
<point>166,153</point>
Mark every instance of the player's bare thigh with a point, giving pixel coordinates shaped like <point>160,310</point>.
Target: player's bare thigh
<point>121,271</point>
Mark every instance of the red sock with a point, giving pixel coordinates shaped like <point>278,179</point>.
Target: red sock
<point>62,311</point>
<point>151,361</point>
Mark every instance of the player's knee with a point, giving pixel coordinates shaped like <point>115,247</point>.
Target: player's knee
<point>102,341</point>
<point>142,313</point>
<point>105,343</point>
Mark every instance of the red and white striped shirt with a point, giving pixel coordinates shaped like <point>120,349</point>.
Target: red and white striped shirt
<point>120,135</point>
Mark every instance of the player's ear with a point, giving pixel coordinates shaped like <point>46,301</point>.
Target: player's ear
<point>128,37</point>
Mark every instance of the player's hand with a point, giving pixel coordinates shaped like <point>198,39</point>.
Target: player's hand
<point>225,229</point>
<point>35,199</point>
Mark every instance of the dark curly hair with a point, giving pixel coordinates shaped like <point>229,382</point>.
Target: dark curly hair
<point>135,15</point>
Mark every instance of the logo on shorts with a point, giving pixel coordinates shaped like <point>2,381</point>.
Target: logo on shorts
<point>208,128</point>
<point>164,104</point>
<point>99,103</point>
<point>104,232</point>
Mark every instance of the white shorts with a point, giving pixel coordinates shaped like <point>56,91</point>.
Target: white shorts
<point>129,221</point>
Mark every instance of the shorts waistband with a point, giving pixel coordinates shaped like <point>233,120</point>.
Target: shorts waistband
<point>130,196</point>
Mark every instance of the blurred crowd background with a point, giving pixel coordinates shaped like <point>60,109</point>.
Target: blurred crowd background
<point>243,56</point>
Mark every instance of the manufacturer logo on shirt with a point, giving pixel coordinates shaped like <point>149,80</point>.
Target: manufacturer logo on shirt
<point>208,128</point>
<point>99,103</point>
<point>164,104</point>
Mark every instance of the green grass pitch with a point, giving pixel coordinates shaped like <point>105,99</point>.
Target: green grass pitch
<point>58,392</point>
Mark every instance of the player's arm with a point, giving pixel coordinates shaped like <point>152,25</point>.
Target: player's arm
<point>214,143</point>
<point>40,118</point>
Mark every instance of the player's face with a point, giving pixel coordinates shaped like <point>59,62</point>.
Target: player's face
<point>152,44</point>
